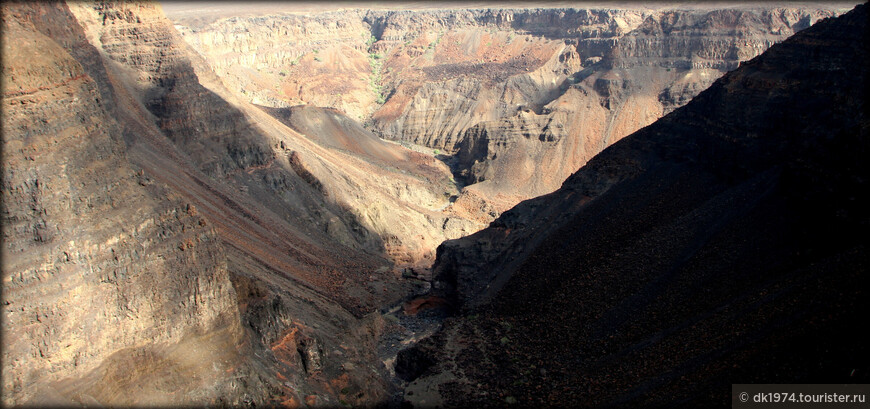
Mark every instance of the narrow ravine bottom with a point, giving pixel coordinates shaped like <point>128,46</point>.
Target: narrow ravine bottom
<point>413,319</point>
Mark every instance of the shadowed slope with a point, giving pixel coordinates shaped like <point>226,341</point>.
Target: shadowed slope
<point>723,244</point>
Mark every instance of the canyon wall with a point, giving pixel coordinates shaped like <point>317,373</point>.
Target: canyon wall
<point>151,218</point>
<point>513,100</point>
<point>176,232</point>
<point>337,192</point>
<point>100,266</point>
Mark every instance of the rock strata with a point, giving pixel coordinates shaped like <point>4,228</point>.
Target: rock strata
<point>151,218</point>
<point>99,264</point>
<point>219,229</point>
<point>516,100</point>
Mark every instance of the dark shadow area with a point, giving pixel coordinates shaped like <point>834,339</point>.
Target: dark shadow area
<point>723,244</point>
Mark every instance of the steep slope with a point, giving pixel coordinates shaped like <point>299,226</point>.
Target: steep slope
<point>225,277</point>
<point>100,265</point>
<point>281,169</point>
<point>723,244</point>
<point>401,195</point>
<point>168,242</point>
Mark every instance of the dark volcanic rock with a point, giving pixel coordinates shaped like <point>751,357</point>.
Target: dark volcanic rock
<point>411,363</point>
<point>722,244</point>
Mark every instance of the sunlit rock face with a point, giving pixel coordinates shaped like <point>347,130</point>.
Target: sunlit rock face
<point>516,100</point>
<point>160,248</point>
<point>100,265</point>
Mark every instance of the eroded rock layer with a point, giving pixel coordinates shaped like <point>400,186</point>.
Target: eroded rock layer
<point>99,265</point>
<point>516,100</point>
<point>288,172</point>
<point>179,231</point>
<point>164,246</point>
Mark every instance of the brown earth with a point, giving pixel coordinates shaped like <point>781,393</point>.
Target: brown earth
<point>516,100</point>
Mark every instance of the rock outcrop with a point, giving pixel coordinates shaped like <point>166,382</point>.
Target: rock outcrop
<point>285,60</point>
<point>151,218</point>
<point>100,265</point>
<point>721,244</point>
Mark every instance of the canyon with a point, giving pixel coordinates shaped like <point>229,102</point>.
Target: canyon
<point>515,100</point>
<point>244,210</point>
<point>722,244</point>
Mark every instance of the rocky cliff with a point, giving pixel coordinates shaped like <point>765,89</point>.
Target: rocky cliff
<point>171,240</point>
<point>721,244</point>
<point>100,265</point>
<point>148,219</point>
<point>516,100</point>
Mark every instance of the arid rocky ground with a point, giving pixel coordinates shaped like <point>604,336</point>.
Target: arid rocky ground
<point>242,208</point>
